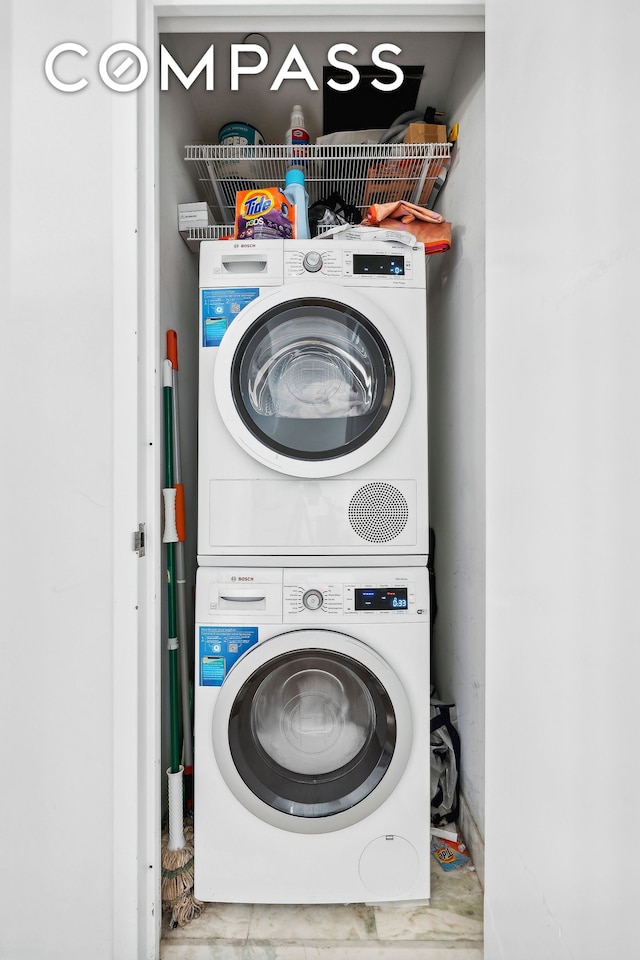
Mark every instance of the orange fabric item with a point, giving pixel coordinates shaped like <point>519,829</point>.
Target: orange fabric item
<point>435,236</point>
<point>401,210</point>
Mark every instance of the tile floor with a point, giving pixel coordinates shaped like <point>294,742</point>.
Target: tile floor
<point>449,928</point>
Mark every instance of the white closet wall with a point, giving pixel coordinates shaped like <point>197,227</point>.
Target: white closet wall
<point>563,472</point>
<point>457,433</point>
<point>69,692</point>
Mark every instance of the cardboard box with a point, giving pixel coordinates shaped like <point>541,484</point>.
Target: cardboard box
<point>193,215</point>
<point>426,133</point>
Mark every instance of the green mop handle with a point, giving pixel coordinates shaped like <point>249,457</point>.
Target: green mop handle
<point>181,582</point>
<point>170,538</point>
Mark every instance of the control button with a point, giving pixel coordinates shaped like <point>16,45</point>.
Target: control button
<point>312,599</point>
<point>312,261</point>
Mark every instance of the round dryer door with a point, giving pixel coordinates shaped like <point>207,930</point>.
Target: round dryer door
<point>311,730</point>
<point>311,385</point>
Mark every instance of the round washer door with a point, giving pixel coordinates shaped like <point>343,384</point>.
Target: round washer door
<point>313,380</point>
<point>311,731</point>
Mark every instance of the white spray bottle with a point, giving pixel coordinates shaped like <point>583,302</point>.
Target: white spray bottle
<point>297,136</point>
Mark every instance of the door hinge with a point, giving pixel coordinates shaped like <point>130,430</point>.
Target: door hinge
<point>139,537</point>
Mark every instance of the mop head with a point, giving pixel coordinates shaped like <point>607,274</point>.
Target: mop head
<point>177,880</point>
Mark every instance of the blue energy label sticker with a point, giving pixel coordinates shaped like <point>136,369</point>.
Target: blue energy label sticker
<point>220,647</point>
<point>219,308</point>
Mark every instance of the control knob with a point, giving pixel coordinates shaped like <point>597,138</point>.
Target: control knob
<point>312,261</point>
<point>312,599</point>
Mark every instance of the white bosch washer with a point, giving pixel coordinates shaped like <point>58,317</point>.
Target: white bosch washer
<point>312,735</point>
<point>312,402</point>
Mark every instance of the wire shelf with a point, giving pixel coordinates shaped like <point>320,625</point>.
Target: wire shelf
<point>362,174</point>
<point>220,231</point>
<point>216,231</point>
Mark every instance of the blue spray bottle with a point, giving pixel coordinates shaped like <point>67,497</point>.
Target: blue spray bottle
<point>294,190</point>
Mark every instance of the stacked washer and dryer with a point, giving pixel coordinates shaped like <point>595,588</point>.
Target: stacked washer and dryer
<point>312,756</point>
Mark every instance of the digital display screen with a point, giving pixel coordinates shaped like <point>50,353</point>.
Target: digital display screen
<point>381,598</point>
<point>372,265</point>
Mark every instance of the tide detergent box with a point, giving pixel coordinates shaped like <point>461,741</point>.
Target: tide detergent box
<point>264,214</point>
<point>449,854</point>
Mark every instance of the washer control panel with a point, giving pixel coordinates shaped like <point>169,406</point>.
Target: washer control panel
<point>311,596</point>
<point>391,597</point>
<point>366,264</point>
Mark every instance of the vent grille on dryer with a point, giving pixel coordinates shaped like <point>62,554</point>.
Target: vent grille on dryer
<point>378,512</point>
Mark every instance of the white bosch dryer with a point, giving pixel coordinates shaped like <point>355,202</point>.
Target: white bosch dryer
<point>312,735</point>
<point>312,402</point>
